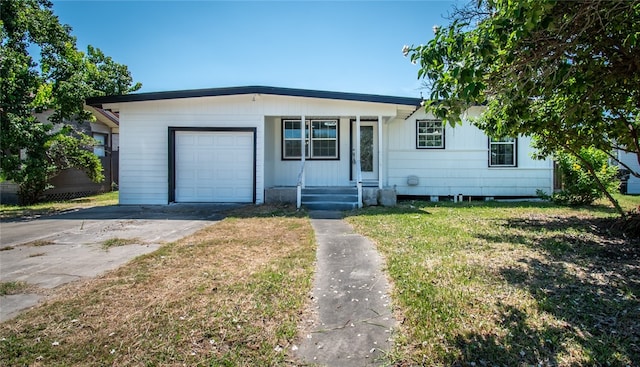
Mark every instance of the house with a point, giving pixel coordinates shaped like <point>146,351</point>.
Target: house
<point>74,183</point>
<point>633,182</point>
<point>244,144</point>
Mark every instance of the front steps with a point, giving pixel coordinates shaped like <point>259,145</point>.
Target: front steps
<point>330,198</point>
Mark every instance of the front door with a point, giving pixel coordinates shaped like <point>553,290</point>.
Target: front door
<point>368,150</point>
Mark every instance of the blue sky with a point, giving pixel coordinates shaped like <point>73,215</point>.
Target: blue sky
<point>347,46</point>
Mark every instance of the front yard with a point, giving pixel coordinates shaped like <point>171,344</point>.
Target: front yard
<point>475,284</point>
<point>509,284</point>
<point>229,295</point>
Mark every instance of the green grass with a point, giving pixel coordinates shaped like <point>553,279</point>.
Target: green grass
<point>514,284</point>
<point>17,211</point>
<point>231,294</point>
<point>117,242</point>
<point>7,288</point>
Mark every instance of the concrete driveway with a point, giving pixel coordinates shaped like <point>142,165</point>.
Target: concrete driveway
<point>49,251</point>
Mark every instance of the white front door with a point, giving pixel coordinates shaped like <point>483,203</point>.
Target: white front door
<point>368,150</point>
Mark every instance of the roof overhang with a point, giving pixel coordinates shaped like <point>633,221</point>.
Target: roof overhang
<point>213,92</point>
<point>106,117</point>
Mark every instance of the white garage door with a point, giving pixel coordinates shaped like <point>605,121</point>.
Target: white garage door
<point>214,166</point>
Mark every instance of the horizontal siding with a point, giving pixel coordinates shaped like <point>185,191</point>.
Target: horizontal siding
<point>318,172</point>
<point>462,167</point>
<point>631,160</point>
<point>144,142</point>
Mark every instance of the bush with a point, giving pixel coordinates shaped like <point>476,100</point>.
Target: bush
<point>579,187</point>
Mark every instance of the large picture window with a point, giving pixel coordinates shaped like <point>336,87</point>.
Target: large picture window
<point>502,152</point>
<point>321,139</point>
<point>429,134</point>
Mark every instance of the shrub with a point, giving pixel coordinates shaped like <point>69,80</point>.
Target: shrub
<point>579,186</point>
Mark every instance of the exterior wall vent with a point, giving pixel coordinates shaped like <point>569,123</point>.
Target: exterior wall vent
<point>413,180</point>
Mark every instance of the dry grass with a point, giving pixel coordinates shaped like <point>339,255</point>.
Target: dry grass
<point>47,208</point>
<point>489,284</point>
<point>117,242</point>
<point>39,243</point>
<point>231,294</point>
<point>15,287</point>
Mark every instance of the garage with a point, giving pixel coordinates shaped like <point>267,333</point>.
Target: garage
<point>213,166</point>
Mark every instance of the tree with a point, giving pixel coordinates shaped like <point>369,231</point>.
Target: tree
<point>31,152</point>
<point>566,73</point>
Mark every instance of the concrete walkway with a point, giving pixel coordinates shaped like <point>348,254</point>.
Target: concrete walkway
<point>354,323</point>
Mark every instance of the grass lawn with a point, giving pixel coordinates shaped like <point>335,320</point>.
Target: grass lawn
<point>232,294</point>
<point>509,284</point>
<point>15,211</point>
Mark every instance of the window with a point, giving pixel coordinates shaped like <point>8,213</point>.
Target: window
<point>99,148</point>
<point>429,134</point>
<point>502,152</point>
<point>322,145</point>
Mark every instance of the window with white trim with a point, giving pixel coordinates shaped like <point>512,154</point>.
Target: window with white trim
<point>502,152</point>
<point>321,139</point>
<point>429,134</point>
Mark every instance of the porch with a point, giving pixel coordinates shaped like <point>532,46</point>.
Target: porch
<point>318,168</point>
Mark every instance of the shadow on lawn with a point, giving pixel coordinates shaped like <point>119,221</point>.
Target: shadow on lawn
<point>588,277</point>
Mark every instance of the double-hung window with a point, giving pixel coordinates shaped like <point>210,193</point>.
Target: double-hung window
<point>429,134</point>
<point>99,148</point>
<point>503,152</point>
<point>321,139</point>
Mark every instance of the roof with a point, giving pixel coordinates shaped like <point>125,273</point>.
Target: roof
<point>213,92</point>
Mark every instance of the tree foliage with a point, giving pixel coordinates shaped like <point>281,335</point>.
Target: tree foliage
<point>578,184</point>
<point>566,73</point>
<point>41,68</point>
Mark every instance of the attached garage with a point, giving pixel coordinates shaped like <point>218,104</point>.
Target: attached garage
<point>209,165</point>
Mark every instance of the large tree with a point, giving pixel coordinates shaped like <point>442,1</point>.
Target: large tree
<point>41,68</point>
<point>566,73</point>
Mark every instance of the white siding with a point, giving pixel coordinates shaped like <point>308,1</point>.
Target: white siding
<point>144,151</point>
<point>462,166</point>
<point>318,172</point>
<point>631,159</point>
<point>279,172</point>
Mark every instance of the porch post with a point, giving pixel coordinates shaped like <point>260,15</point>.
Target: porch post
<point>358,164</point>
<point>301,175</point>
<point>380,155</point>
<point>357,141</point>
<point>303,130</point>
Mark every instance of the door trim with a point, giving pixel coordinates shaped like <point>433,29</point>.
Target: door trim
<point>172,153</point>
<point>351,147</point>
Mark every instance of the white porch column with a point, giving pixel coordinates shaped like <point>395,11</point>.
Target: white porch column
<point>380,155</point>
<point>303,130</point>
<point>358,164</point>
<point>357,154</point>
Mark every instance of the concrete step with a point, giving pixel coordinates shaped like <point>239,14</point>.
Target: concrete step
<point>330,198</point>
<point>330,190</point>
<point>329,205</point>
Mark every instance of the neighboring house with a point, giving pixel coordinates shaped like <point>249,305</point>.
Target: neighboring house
<point>74,183</point>
<point>631,160</point>
<point>243,144</point>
